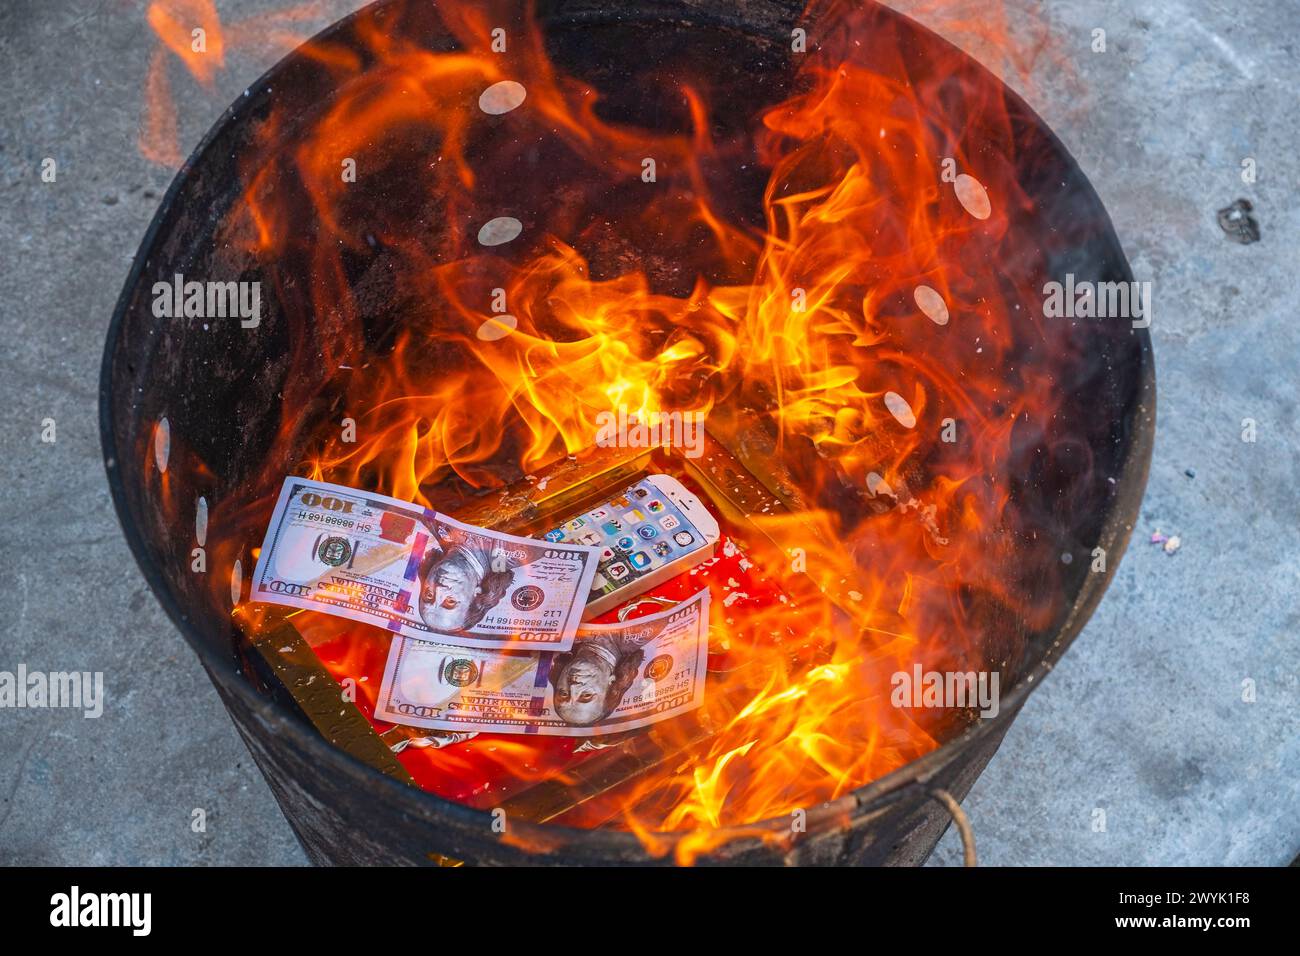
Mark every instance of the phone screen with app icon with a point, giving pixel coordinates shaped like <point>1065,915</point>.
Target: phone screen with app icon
<point>638,531</point>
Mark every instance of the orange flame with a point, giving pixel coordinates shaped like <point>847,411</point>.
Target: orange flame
<point>191,29</point>
<point>818,315</point>
<point>192,32</point>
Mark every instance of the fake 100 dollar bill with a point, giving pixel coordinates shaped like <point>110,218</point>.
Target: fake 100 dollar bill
<point>418,573</point>
<point>616,677</point>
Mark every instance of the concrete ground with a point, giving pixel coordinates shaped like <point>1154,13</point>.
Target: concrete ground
<point>1139,749</point>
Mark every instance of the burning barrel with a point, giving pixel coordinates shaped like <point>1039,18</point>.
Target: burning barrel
<point>496,267</point>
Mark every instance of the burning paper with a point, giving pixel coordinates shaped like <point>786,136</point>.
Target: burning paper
<point>377,560</point>
<point>617,677</point>
<point>766,284</point>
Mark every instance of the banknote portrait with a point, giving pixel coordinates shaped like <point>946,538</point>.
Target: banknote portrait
<point>614,677</point>
<point>377,560</point>
<point>589,681</point>
<point>463,575</point>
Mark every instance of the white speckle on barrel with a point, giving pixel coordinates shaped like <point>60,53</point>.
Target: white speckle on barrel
<point>931,303</point>
<point>162,443</point>
<point>877,485</point>
<point>899,408</point>
<point>501,97</point>
<point>201,521</point>
<point>500,230</point>
<point>497,327</point>
<point>236,582</point>
<point>972,195</point>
